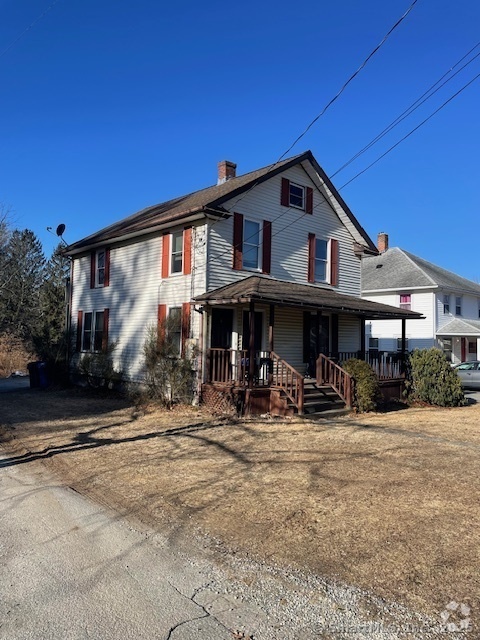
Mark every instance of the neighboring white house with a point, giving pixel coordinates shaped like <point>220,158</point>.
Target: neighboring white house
<point>449,303</point>
<point>263,266</point>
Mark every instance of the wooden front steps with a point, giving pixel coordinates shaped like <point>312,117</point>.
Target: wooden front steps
<point>319,399</point>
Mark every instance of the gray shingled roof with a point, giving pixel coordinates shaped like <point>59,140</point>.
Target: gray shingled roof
<point>460,327</point>
<point>279,292</point>
<point>210,201</point>
<point>399,269</point>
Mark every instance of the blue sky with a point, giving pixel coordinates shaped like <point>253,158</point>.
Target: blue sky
<point>108,107</point>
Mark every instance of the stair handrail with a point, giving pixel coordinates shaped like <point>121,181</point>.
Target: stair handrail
<point>288,379</point>
<point>329,372</point>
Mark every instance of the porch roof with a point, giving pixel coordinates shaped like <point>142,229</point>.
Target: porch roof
<point>290,294</point>
<point>461,328</point>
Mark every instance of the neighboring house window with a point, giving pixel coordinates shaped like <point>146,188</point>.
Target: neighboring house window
<point>177,252</point>
<point>252,244</point>
<point>373,346</point>
<point>399,344</point>
<point>405,301</point>
<point>458,306</point>
<point>92,331</point>
<point>297,196</point>
<point>472,347</point>
<point>100,268</point>
<point>446,304</point>
<point>322,260</point>
<point>479,308</point>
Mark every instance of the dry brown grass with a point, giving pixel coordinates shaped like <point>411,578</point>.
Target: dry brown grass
<point>387,502</point>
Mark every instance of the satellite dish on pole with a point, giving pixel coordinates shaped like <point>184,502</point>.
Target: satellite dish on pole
<point>60,230</point>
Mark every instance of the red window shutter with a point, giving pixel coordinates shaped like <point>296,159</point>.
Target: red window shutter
<point>79,330</point>
<point>106,280</point>
<point>185,324</point>
<point>161,320</point>
<point>309,202</point>
<point>93,268</point>
<point>105,330</point>
<point>267,246</point>
<point>334,262</point>
<point>311,257</point>
<point>237,241</point>
<point>285,195</point>
<point>187,251</point>
<point>165,255</point>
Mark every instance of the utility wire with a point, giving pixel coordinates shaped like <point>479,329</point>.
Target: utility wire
<point>338,94</point>
<point>30,26</point>
<point>329,104</point>
<point>431,91</point>
<point>412,131</point>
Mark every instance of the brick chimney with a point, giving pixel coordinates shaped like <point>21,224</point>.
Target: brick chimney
<point>226,171</point>
<point>382,242</point>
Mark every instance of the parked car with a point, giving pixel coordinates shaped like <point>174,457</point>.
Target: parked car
<point>469,374</point>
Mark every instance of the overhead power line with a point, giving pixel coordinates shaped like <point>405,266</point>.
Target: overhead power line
<point>465,86</point>
<point>30,26</point>
<point>431,91</point>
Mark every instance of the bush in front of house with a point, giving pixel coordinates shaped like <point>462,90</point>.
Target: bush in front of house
<point>366,391</point>
<point>431,379</point>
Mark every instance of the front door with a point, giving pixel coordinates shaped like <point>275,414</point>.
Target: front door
<point>222,328</point>
<point>316,338</point>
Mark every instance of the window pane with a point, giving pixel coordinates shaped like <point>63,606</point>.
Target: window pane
<point>98,331</point>
<point>177,252</point>
<point>250,257</point>
<point>296,195</point>
<point>87,332</point>
<point>175,327</point>
<point>321,250</point>
<point>252,232</point>
<point>320,270</point>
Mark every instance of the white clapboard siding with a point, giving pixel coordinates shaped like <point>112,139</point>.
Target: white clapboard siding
<point>135,291</point>
<point>290,229</point>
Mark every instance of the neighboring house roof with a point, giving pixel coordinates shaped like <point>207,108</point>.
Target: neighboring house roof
<point>279,292</point>
<point>461,328</point>
<point>210,201</point>
<point>396,269</point>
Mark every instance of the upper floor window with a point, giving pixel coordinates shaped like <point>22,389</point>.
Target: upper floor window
<point>446,303</point>
<point>92,331</point>
<point>296,195</point>
<point>405,301</point>
<point>100,268</point>
<point>177,252</point>
<point>458,306</point>
<point>322,260</point>
<point>176,264</point>
<point>252,244</point>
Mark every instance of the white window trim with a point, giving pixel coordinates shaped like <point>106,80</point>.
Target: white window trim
<point>99,284</point>
<point>170,271</point>
<point>304,195</point>
<point>94,315</point>
<point>327,261</point>
<point>258,268</point>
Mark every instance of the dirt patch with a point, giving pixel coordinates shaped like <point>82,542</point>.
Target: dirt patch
<point>386,502</point>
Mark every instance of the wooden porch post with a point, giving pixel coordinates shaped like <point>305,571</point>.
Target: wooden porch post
<point>404,344</point>
<point>271,323</point>
<point>362,338</point>
<point>251,346</point>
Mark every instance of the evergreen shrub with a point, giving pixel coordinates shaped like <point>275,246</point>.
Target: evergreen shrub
<point>366,392</point>
<point>431,379</point>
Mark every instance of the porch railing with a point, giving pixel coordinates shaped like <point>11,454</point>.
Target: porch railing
<point>328,372</point>
<point>386,365</point>
<point>285,377</point>
<point>232,366</point>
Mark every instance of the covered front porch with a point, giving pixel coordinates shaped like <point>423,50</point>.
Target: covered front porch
<point>278,347</point>
<point>460,340</point>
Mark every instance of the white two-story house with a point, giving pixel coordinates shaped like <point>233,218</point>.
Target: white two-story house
<point>449,303</point>
<point>261,272</point>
